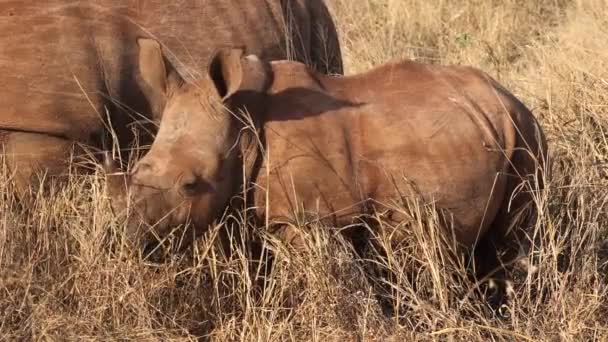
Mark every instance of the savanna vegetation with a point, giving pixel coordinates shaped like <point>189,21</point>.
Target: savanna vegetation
<point>66,272</point>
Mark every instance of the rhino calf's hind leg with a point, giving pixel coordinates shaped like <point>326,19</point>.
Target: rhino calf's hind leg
<point>290,236</point>
<point>33,159</point>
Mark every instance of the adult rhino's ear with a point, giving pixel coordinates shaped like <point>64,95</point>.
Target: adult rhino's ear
<point>231,71</point>
<point>158,78</point>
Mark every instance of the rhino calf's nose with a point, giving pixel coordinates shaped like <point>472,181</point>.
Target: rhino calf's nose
<point>150,172</point>
<point>145,173</point>
<point>142,167</point>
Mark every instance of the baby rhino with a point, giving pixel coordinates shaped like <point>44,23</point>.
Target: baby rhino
<point>303,145</point>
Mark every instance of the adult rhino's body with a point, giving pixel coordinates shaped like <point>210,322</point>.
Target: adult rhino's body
<point>69,66</point>
<point>339,147</point>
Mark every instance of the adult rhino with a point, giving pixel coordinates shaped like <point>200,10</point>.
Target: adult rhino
<point>333,147</point>
<point>69,68</point>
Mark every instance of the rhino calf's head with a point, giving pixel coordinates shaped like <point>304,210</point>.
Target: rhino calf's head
<point>194,165</point>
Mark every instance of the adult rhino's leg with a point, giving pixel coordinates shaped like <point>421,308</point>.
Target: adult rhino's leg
<point>34,159</point>
<point>325,51</point>
<point>311,35</point>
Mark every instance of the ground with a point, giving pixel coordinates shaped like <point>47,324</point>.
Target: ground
<point>65,272</point>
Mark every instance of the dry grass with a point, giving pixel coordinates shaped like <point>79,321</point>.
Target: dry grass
<point>65,276</point>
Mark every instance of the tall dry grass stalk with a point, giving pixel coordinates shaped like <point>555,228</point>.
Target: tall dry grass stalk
<point>66,273</point>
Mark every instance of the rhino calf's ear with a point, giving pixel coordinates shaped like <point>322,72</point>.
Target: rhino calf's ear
<point>158,78</point>
<point>231,71</point>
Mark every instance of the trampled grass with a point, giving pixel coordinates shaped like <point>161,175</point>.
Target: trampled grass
<point>66,273</point>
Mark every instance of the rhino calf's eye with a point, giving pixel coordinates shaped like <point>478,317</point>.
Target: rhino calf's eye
<point>191,187</point>
<point>195,186</point>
